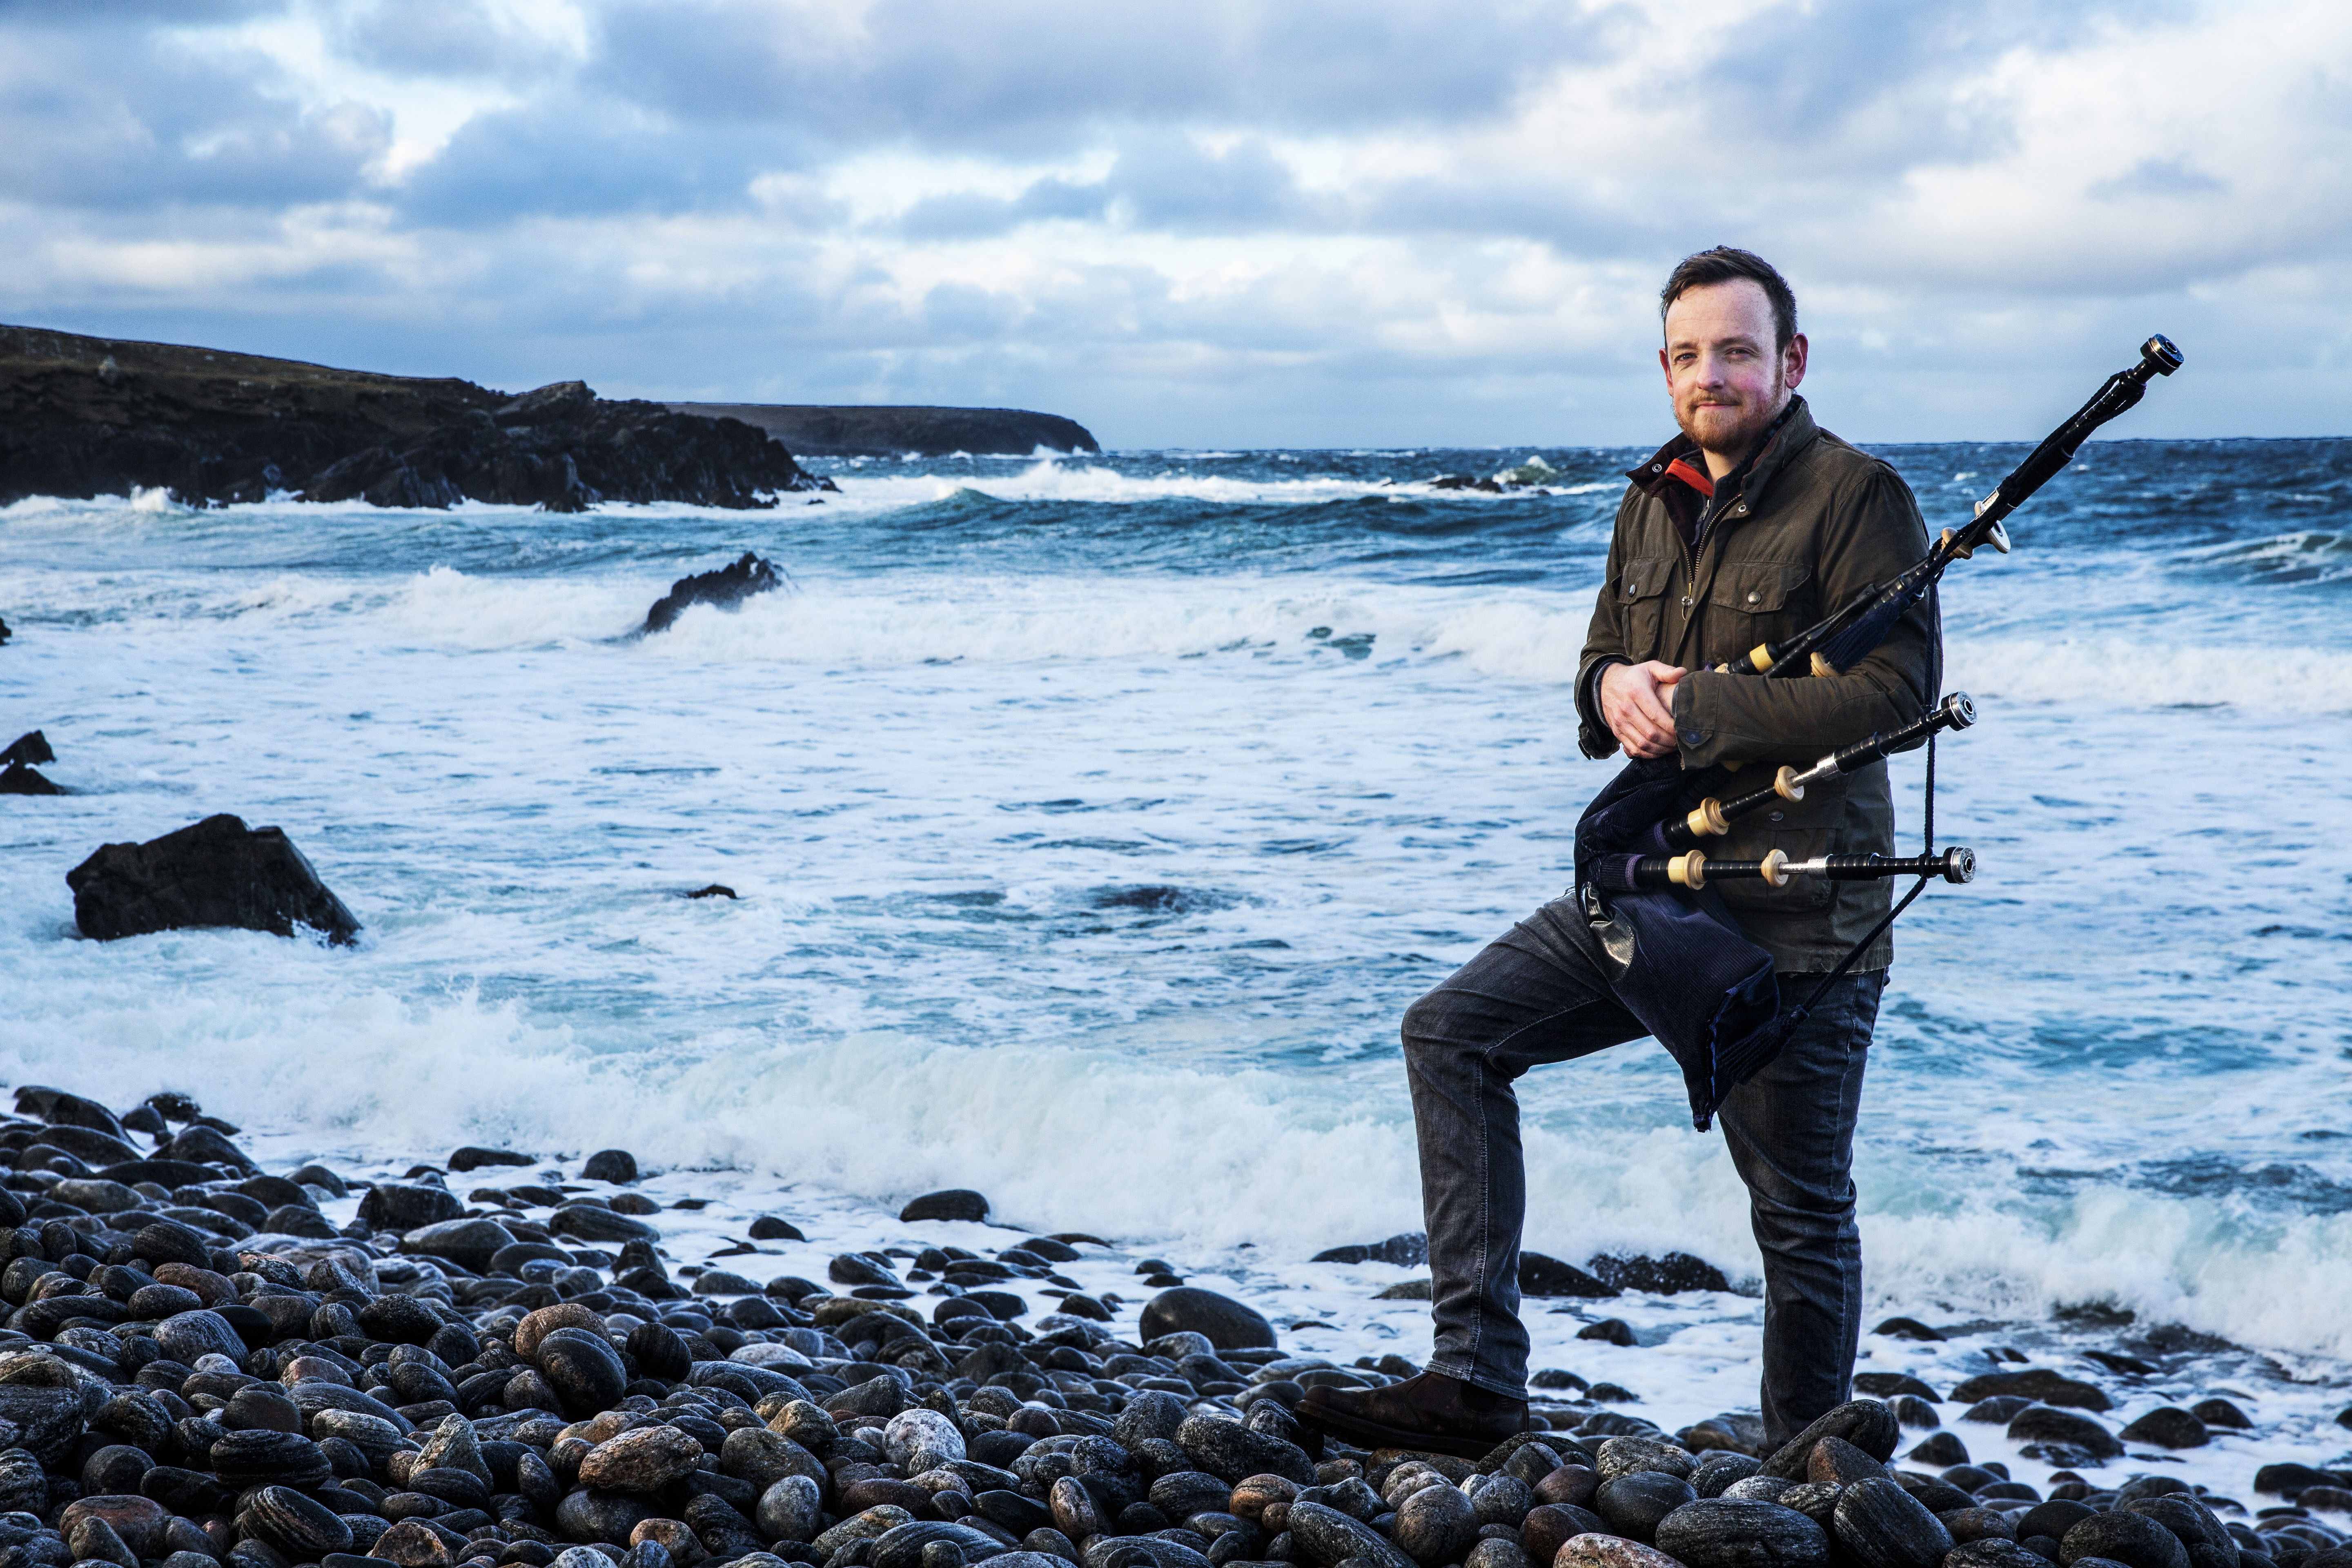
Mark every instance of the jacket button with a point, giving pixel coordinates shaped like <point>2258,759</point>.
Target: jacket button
<point>1687,601</point>
<point>1779,815</point>
<point>1755,598</point>
<point>1657,468</point>
<point>1693,737</point>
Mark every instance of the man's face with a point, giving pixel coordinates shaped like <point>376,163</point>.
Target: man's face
<point>1727,381</point>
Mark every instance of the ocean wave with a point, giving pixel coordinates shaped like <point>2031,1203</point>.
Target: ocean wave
<point>2151,672</point>
<point>1104,1141</point>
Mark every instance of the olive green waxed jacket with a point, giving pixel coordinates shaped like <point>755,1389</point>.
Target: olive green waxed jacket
<point>1816,521</point>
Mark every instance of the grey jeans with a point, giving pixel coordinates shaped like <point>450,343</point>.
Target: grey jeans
<point>1537,995</point>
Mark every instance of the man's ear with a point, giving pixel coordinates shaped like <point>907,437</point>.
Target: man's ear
<point>1666,368</point>
<point>1792,360</point>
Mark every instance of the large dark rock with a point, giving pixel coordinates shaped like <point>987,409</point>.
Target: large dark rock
<point>2038,1383</point>
<point>955,1202</point>
<point>18,779</point>
<point>726,587</point>
<point>2063,1437</point>
<point>83,417</point>
<point>1547,1276</point>
<point>1227,1324</point>
<point>472,1242</point>
<point>217,872</point>
<point>396,1205</point>
<point>886,432</point>
<point>1669,1275</point>
<point>1409,1250</point>
<point>30,747</point>
<point>2168,1427</point>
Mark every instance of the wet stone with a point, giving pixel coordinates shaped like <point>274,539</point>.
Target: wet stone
<point>1498,1551</point>
<point>1225,1323</point>
<point>1867,1424</point>
<point>1623,1455</point>
<point>2068,1436</point>
<point>791,1508</point>
<point>1880,1525</point>
<point>589,1514</point>
<point>2168,1427</point>
<point>1552,1525</point>
<point>139,1522</point>
<point>1329,1538</point>
<point>2038,1383</point>
<point>94,1541</point>
<point>1598,1551</point>
<point>1435,1525</point>
<point>1836,1462</point>
<point>189,1334</point>
<point>1720,1470</point>
<point>584,1369</point>
<point>1635,1504</point>
<point>263,1457</point>
<point>1503,1499</point>
<point>1943,1450</point>
<point>1966,1524</point>
<point>304,1529</point>
<point>1231,1452</point>
<point>2131,1539</point>
<point>1734,1533</point>
<point>644,1460</point>
<point>412,1543</point>
<point>1991,1551</point>
<point>1572,1484</point>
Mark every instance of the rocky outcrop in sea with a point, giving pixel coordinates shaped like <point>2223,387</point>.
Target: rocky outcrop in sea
<point>86,416</point>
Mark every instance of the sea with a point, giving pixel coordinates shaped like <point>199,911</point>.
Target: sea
<point>1091,821</point>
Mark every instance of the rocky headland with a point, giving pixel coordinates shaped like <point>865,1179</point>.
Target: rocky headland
<point>84,416</point>
<point>883,431</point>
<point>208,1364</point>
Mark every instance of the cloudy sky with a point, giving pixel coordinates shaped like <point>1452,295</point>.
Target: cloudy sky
<point>1207,223</point>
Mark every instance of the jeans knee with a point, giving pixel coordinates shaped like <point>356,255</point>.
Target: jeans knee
<point>1423,1028</point>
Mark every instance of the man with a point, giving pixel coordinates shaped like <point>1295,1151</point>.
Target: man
<point>1751,524</point>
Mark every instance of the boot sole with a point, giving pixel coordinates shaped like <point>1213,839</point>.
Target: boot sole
<point>1372,1434</point>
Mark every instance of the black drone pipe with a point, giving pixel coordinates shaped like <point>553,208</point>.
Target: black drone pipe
<point>1694,871</point>
<point>1714,817</point>
<point>1861,624</point>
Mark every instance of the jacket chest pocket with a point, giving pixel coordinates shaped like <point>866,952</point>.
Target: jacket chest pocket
<point>1642,605</point>
<point>1753,602</point>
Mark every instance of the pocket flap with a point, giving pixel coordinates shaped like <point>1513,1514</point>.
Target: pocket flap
<point>1646,577</point>
<point>1757,587</point>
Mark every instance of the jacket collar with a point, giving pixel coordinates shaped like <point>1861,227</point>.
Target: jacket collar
<point>1790,434</point>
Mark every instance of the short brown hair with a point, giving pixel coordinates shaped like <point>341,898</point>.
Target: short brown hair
<point>1728,264</point>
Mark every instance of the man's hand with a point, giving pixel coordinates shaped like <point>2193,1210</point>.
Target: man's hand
<point>1637,702</point>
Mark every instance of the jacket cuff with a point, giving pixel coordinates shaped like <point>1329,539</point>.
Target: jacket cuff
<point>1694,735</point>
<point>1592,735</point>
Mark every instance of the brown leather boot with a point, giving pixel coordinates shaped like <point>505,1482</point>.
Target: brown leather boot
<point>1431,1412</point>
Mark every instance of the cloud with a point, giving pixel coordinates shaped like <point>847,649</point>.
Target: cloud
<point>1384,220</point>
<point>120,117</point>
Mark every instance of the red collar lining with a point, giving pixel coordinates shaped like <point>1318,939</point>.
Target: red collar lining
<point>1699,482</point>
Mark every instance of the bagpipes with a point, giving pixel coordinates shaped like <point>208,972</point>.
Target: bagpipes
<point>1677,959</point>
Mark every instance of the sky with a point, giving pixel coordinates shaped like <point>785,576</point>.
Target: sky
<point>1314,223</point>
